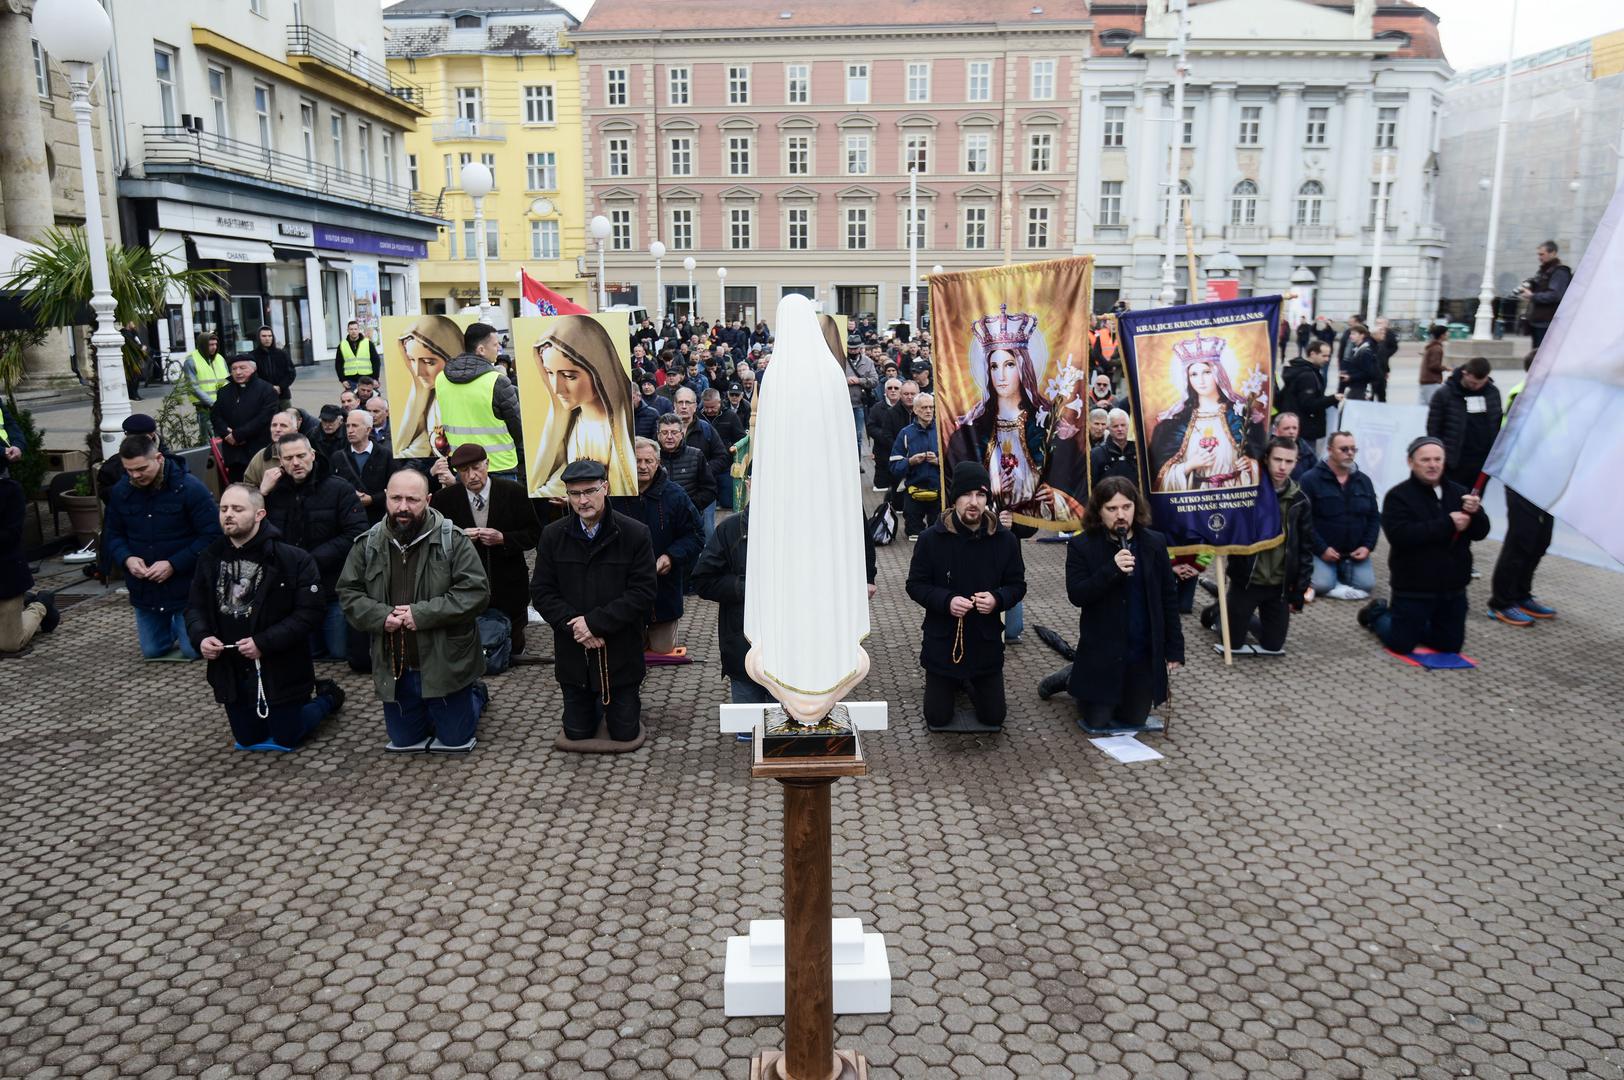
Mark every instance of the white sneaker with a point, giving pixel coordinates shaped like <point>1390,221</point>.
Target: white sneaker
<point>1355,594</point>
<point>83,555</point>
<point>1340,592</point>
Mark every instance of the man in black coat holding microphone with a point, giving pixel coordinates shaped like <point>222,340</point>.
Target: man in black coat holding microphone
<point>966,571</point>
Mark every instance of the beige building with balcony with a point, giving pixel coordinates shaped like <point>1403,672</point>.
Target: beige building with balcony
<point>266,138</point>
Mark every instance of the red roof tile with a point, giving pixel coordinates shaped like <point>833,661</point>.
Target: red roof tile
<point>612,15</point>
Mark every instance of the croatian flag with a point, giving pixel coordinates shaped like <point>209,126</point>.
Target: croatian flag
<point>1562,446</point>
<point>538,299</point>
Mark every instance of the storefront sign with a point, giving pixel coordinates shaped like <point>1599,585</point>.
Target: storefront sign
<point>366,243</point>
<point>293,230</point>
<point>213,221</point>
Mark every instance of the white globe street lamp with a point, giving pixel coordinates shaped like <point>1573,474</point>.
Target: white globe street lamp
<point>688,264</point>
<point>600,232</point>
<point>79,33</point>
<point>657,250</point>
<point>476,184</point>
<point>721,281</point>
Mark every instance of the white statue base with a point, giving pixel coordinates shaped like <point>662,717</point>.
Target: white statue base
<point>743,719</point>
<point>753,981</point>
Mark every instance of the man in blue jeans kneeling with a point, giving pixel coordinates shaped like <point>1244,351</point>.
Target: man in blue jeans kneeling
<point>415,583</point>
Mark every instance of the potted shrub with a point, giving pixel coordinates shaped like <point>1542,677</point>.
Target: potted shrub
<point>84,509</point>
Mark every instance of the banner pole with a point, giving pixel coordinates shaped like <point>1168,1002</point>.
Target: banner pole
<point>1221,564</point>
<point>1189,255</point>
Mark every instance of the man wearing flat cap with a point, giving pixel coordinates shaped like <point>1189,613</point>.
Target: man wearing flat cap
<point>966,572</point>
<point>498,516</point>
<point>242,414</point>
<point>1430,523</point>
<point>594,585</point>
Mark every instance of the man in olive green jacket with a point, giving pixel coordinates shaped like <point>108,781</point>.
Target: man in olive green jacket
<point>415,583</point>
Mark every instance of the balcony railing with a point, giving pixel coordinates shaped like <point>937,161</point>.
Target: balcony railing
<point>1313,234</point>
<point>1246,232</point>
<point>303,41</point>
<point>1434,233</point>
<point>483,130</point>
<point>172,149</point>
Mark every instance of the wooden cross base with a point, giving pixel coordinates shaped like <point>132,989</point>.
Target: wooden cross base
<point>773,1065</point>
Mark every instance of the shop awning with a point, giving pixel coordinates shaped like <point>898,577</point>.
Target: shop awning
<point>236,251</point>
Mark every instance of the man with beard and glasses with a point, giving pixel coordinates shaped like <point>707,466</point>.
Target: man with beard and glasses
<point>255,600</point>
<point>415,583</point>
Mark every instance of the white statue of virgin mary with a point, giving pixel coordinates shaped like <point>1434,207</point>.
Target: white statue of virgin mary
<point>806,590</point>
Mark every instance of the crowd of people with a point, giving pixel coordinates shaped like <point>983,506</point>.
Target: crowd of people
<point>432,573</point>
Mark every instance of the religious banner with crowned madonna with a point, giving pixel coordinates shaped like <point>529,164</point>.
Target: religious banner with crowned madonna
<point>1200,381</point>
<point>1011,355</point>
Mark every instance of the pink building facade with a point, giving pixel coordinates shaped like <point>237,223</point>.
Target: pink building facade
<point>782,152</point>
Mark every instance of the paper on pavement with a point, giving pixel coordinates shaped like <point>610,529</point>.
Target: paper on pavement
<point>1126,748</point>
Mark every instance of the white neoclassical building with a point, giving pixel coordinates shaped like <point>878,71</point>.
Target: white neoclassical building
<point>1293,110</point>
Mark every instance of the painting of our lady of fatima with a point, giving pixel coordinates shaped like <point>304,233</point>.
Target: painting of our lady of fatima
<point>1209,426</point>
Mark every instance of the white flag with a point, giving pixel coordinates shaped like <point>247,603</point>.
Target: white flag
<point>1562,447</point>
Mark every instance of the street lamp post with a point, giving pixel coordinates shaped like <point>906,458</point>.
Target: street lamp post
<point>476,184</point>
<point>1174,203</point>
<point>79,33</point>
<point>1483,325</point>
<point>600,232</point>
<point>721,285</point>
<point>1375,306</point>
<point>688,264</point>
<point>913,248</point>
<point>657,250</point>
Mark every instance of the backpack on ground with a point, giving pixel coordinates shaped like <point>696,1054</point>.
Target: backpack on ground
<point>496,639</point>
<point>882,524</point>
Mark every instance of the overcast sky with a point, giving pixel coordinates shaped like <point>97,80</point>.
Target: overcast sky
<point>1475,32</point>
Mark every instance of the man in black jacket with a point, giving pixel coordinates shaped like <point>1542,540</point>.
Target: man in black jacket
<point>1464,415</point>
<point>1302,391</point>
<point>1360,365</point>
<point>965,571</point>
<point>274,366</point>
<point>720,416</point>
<point>242,414</point>
<point>1430,523</point>
<point>719,578</point>
<point>498,516</point>
<point>1115,455</point>
<point>364,464</point>
<point>698,434</point>
<point>885,419</point>
<point>254,602</point>
<point>317,512</point>
<point>1545,290</point>
<point>1275,581</point>
<point>686,466</point>
<point>595,584</point>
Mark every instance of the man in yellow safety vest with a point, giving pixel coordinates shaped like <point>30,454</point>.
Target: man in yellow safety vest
<point>356,356</point>
<point>478,404</point>
<point>205,371</point>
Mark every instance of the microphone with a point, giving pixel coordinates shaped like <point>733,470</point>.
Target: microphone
<point>1121,537</point>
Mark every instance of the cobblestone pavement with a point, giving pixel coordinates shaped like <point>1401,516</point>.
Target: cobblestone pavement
<point>1345,867</point>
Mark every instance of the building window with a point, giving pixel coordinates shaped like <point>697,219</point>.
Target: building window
<point>919,230</point>
<point>620,157</point>
<point>257,7</point>
<point>1386,128</point>
<point>682,230</point>
<point>218,103</point>
<point>489,161</point>
<point>677,82</point>
<point>538,105</point>
<point>544,240</point>
<point>856,228</point>
<point>1115,131</point>
<point>740,220</point>
<point>797,84</point>
<point>1037,225</point>
<point>1040,151</point>
<point>682,155</point>
<point>262,116</point>
<point>411,171</point>
<point>307,135</point>
<point>470,104</point>
<point>614,86</point>
<point>363,148</point>
<point>856,84</point>
<point>451,181</point>
<point>1110,202</point>
<point>975,228</point>
<point>1251,132</point>
<point>163,60</point>
<point>541,171</point>
<point>1319,119</point>
<point>451,242</point>
<point>388,140</point>
<point>1184,205</point>
<point>738,86</point>
<point>916,152</point>
<point>492,235</point>
<point>1243,204</point>
<point>335,133</point>
<point>918,83</point>
<point>1188,136</point>
<point>1376,193</point>
<point>1042,82</point>
<point>977,151</point>
<point>978,81</point>
<point>1310,203</point>
<point>856,155</point>
<point>738,155</point>
<point>42,72</point>
<point>798,232</point>
<point>798,155</point>
<point>620,230</point>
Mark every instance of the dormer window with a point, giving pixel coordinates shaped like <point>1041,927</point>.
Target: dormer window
<point>1116,39</point>
<point>468,22</point>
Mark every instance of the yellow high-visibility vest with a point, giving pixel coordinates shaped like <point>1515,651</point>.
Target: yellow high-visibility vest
<point>466,416</point>
<point>210,376</point>
<point>356,363</point>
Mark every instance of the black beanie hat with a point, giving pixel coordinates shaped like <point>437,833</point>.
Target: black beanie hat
<point>969,476</point>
